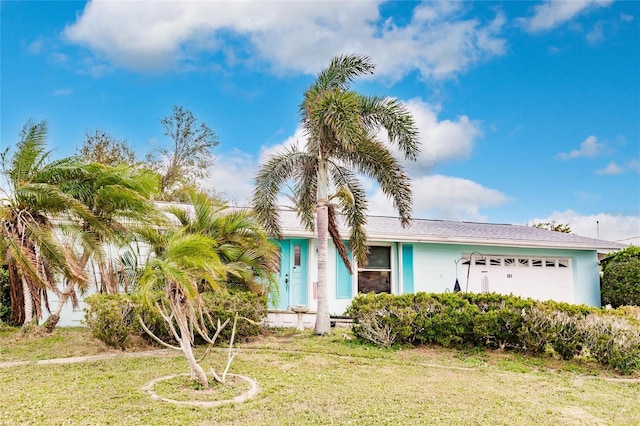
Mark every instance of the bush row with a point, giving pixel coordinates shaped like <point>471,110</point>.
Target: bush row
<point>612,337</point>
<point>114,318</point>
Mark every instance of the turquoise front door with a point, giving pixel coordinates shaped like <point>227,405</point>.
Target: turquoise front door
<point>293,288</point>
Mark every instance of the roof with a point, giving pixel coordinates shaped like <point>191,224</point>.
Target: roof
<point>385,228</point>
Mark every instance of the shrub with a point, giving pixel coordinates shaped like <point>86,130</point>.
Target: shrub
<point>250,307</point>
<point>113,318</point>
<point>110,318</point>
<point>620,283</point>
<point>612,337</point>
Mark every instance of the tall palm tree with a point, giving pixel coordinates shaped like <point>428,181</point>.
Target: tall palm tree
<point>119,199</point>
<point>342,127</point>
<point>32,251</point>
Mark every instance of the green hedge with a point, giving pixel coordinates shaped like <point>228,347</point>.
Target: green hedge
<point>113,318</point>
<point>612,337</point>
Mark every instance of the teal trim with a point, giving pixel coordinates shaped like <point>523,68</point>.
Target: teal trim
<point>407,268</point>
<point>344,286</point>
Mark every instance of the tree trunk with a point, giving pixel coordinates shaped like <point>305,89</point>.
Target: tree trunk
<point>28,302</point>
<point>323,324</point>
<point>53,319</point>
<point>187,350</point>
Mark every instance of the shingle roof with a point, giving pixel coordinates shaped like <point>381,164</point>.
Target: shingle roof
<point>383,228</point>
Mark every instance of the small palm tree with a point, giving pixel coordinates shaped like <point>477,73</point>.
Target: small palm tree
<point>212,247</point>
<point>31,203</point>
<point>171,282</point>
<point>242,244</point>
<point>342,127</point>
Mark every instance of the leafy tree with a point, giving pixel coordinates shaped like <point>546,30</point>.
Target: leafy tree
<point>553,226</point>
<point>190,156</point>
<point>342,128</point>
<point>620,282</point>
<point>32,253</point>
<point>101,147</point>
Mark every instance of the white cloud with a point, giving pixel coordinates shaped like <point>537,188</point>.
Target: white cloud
<point>590,147</point>
<point>597,33</point>
<point>634,165</point>
<point>551,14</point>
<point>232,177</point>
<point>611,169</point>
<point>36,47</point>
<point>623,228</point>
<point>298,138</point>
<point>626,18</point>
<point>443,140</point>
<point>443,197</point>
<point>291,36</point>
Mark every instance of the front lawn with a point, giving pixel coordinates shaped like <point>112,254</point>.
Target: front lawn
<point>314,380</point>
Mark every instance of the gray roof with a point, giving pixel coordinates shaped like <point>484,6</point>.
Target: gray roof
<point>384,228</point>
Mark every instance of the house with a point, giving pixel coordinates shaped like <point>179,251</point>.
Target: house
<point>431,255</point>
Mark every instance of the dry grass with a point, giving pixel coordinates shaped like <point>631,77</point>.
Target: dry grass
<point>312,380</point>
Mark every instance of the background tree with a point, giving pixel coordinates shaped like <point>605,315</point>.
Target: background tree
<point>552,226</point>
<point>101,147</point>
<point>620,282</point>
<point>189,158</point>
<point>32,252</point>
<point>342,127</point>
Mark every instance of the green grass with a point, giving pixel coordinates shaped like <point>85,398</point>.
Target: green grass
<point>306,380</point>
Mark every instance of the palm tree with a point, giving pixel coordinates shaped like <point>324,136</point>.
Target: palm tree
<point>212,247</point>
<point>242,244</point>
<point>119,199</point>
<point>171,282</point>
<point>33,253</point>
<point>342,127</point>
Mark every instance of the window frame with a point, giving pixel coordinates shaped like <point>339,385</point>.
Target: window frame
<point>392,270</point>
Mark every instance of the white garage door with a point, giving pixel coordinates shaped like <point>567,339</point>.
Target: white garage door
<point>541,278</point>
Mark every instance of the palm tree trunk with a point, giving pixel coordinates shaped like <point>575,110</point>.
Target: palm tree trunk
<point>53,319</point>
<point>28,302</point>
<point>323,324</point>
<point>187,350</point>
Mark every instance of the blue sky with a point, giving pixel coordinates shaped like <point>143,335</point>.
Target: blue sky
<point>527,110</point>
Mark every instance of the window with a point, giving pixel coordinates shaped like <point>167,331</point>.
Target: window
<point>480,261</point>
<point>376,275</point>
<point>550,263</point>
<point>296,255</point>
<point>563,263</point>
<point>523,262</point>
<point>495,261</point>
<point>536,263</point>
<point>509,261</point>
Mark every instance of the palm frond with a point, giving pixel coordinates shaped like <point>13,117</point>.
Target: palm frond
<point>269,180</point>
<point>391,114</point>
<point>334,232</point>
<point>375,161</point>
